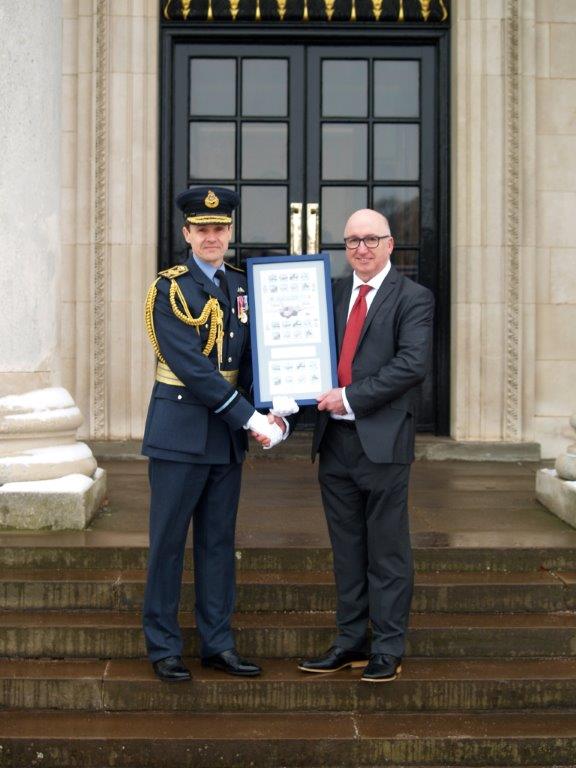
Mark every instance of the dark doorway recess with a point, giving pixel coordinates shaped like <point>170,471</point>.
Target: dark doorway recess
<point>308,125</point>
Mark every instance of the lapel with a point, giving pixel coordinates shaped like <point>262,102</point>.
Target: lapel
<point>207,285</point>
<point>382,295</point>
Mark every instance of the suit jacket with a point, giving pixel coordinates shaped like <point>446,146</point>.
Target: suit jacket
<point>202,421</point>
<point>391,360</point>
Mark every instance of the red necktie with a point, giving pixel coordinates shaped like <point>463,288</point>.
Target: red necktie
<point>351,336</point>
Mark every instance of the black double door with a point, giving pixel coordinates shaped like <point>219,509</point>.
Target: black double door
<point>307,134</point>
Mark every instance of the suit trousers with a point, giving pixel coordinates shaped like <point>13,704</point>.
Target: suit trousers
<point>207,495</point>
<point>366,506</point>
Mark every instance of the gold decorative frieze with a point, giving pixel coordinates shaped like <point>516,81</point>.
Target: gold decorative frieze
<point>334,11</point>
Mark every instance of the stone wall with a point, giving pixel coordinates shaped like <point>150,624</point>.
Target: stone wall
<point>555,222</point>
<point>109,194</point>
<point>514,191</point>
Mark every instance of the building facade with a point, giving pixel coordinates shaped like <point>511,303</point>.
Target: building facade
<point>458,119</point>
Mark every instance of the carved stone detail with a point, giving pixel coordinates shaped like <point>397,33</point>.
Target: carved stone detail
<point>99,266</point>
<point>512,416</point>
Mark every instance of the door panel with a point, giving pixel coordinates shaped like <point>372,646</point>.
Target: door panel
<point>238,122</point>
<point>369,148</point>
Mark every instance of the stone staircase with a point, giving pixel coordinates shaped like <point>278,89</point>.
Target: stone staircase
<point>490,679</point>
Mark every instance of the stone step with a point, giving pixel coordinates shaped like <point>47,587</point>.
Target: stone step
<point>175,740</point>
<point>74,589</point>
<point>105,550</point>
<point>117,634</point>
<point>424,685</point>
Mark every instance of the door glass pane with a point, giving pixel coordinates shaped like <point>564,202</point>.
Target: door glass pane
<point>264,150</point>
<point>212,87</point>
<point>338,204</point>
<point>401,206</point>
<point>344,88</point>
<point>265,87</point>
<point>406,262</point>
<point>212,154</point>
<point>212,150</point>
<point>344,147</point>
<point>396,89</point>
<point>396,152</point>
<point>339,266</point>
<point>264,213</point>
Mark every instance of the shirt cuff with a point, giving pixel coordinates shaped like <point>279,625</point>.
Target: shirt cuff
<point>346,403</point>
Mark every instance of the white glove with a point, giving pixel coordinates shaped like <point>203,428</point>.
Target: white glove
<point>259,423</point>
<point>282,405</point>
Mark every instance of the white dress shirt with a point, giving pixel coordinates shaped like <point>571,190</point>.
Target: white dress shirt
<point>375,282</point>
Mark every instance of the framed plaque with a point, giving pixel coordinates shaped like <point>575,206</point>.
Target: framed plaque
<point>291,327</point>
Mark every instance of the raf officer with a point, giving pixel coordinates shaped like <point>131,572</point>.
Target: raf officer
<point>195,438</point>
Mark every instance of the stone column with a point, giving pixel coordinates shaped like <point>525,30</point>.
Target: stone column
<point>30,96</point>
<point>493,219</point>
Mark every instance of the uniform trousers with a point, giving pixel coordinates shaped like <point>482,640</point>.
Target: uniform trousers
<point>366,506</point>
<point>207,495</point>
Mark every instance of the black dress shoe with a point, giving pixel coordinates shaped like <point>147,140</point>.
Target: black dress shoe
<point>171,670</point>
<point>334,659</point>
<point>230,662</point>
<point>382,668</point>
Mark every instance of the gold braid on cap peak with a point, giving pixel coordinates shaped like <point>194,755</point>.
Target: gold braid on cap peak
<point>211,310</point>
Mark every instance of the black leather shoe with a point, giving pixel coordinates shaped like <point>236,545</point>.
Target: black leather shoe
<point>334,659</point>
<point>171,670</point>
<point>382,668</point>
<point>230,662</point>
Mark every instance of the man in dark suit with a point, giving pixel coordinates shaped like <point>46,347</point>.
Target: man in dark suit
<point>195,438</point>
<point>365,436</point>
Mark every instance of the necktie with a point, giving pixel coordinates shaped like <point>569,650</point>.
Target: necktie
<point>223,282</point>
<point>351,336</point>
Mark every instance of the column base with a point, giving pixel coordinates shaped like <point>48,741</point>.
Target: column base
<point>68,502</point>
<point>559,496</point>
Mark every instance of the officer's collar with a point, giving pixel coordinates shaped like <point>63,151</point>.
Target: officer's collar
<point>207,269</point>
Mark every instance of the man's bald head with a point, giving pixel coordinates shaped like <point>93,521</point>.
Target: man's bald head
<point>366,217</point>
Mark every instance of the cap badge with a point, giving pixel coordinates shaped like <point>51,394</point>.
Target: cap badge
<point>211,201</point>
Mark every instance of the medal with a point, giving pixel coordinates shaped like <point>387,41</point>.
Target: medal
<point>242,308</point>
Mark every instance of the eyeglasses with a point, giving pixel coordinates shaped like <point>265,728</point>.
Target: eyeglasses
<point>371,241</point>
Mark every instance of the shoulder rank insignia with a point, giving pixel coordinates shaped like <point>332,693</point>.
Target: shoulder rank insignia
<point>172,272</point>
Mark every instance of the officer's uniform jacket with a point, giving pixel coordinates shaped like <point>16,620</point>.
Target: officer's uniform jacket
<point>198,408</point>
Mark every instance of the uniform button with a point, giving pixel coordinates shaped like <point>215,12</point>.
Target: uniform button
<point>231,334</point>
<point>233,311</point>
<point>206,326</point>
<point>229,359</point>
<point>179,397</point>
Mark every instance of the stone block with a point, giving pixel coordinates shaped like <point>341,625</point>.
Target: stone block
<point>64,503</point>
<point>559,496</point>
